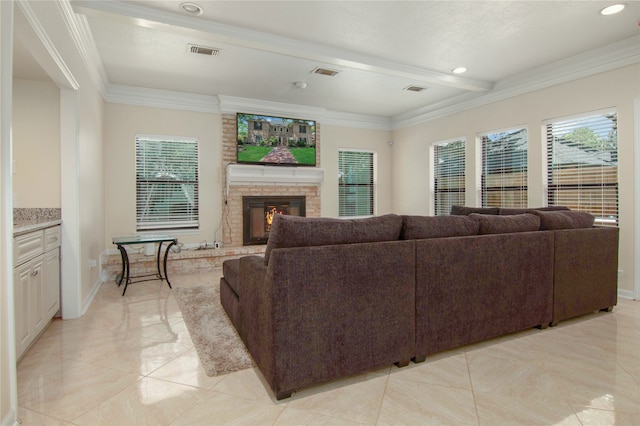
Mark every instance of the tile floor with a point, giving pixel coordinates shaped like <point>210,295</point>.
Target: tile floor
<point>129,360</point>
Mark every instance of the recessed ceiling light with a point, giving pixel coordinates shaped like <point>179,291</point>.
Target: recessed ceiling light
<point>613,9</point>
<point>191,8</point>
<point>459,70</point>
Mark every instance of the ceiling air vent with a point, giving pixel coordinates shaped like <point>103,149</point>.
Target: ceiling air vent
<point>325,71</point>
<point>414,88</point>
<point>203,50</point>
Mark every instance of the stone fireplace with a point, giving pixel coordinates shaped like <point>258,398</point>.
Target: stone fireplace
<point>267,182</point>
<point>258,213</point>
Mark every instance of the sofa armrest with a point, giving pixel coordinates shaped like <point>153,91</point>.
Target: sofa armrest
<point>256,309</point>
<point>585,272</point>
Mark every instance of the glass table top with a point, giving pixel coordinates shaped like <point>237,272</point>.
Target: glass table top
<point>142,239</point>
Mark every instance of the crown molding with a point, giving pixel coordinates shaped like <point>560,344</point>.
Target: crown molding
<point>360,121</point>
<point>78,27</point>
<point>120,94</point>
<point>62,74</point>
<point>607,58</point>
<point>223,104</point>
<point>233,104</point>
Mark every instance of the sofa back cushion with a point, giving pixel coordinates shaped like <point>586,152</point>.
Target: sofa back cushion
<point>509,211</point>
<point>466,211</point>
<point>420,227</point>
<point>296,231</point>
<point>489,224</point>
<point>564,219</point>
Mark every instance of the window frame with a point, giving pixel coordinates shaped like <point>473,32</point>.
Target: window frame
<point>549,186</point>
<point>522,188</point>
<point>168,225</point>
<point>433,178</point>
<point>372,184</point>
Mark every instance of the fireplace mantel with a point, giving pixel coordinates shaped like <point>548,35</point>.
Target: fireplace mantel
<point>245,174</point>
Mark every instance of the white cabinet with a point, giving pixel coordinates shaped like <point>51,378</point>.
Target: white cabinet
<point>36,283</point>
<point>52,284</point>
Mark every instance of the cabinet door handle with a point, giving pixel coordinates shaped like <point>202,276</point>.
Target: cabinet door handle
<point>34,273</point>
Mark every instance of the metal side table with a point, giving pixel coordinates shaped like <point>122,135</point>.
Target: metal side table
<point>143,239</point>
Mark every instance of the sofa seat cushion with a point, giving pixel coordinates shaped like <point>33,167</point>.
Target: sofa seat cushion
<point>488,224</point>
<point>466,211</point>
<point>420,227</point>
<point>296,231</point>
<point>564,219</point>
<point>231,273</point>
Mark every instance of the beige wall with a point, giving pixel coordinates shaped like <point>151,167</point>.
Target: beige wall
<point>36,144</point>
<point>335,138</point>
<point>122,123</point>
<point>90,188</point>
<point>618,89</point>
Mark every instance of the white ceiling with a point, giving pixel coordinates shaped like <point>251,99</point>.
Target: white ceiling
<point>379,47</point>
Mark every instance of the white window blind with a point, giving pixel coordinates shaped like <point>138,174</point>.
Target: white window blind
<point>449,169</point>
<point>582,165</point>
<point>166,183</point>
<point>504,169</point>
<point>356,183</point>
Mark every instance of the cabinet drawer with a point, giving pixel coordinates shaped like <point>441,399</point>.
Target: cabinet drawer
<point>28,246</point>
<point>51,238</point>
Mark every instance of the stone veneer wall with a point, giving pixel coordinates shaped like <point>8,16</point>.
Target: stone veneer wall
<point>232,212</point>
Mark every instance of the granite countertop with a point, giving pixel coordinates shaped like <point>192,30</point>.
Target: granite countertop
<point>27,220</point>
<point>30,225</point>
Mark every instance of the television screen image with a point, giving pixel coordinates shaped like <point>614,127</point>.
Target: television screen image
<point>264,139</point>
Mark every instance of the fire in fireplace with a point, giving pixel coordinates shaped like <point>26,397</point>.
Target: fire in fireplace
<point>258,213</point>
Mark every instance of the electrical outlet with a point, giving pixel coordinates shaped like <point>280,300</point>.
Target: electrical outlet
<point>217,244</point>
<point>92,263</point>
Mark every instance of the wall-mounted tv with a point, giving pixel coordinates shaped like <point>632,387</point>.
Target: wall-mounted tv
<point>263,139</point>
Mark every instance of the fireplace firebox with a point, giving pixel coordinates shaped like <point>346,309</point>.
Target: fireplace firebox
<point>258,212</point>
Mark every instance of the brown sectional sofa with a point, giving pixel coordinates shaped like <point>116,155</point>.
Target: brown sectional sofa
<point>334,297</point>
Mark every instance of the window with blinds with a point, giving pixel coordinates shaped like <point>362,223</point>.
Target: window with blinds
<point>356,183</point>
<point>448,175</point>
<point>166,183</point>
<point>504,169</point>
<point>582,165</point>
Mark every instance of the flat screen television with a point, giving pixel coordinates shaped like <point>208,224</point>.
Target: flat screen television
<point>264,139</point>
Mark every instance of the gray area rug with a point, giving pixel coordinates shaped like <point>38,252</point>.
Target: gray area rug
<point>219,347</point>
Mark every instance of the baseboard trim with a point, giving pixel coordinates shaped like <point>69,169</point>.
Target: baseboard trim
<point>92,295</point>
<point>626,294</point>
<point>11,419</point>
